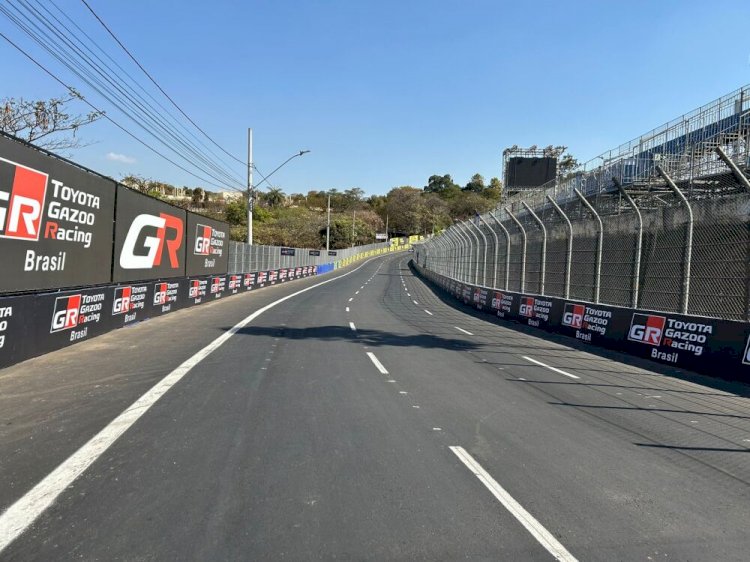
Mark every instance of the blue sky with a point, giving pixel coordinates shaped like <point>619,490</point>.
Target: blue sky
<point>388,93</point>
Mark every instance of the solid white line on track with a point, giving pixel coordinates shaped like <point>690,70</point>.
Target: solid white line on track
<point>19,516</point>
<point>464,331</point>
<point>555,369</point>
<point>537,530</point>
<point>352,326</point>
<point>377,363</point>
<point>428,312</point>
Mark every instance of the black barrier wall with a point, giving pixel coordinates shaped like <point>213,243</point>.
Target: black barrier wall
<point>55,222</point>
<point>35,324</point>
<point>719,348</point>
<point>149,238</point>
<point>207,246</point>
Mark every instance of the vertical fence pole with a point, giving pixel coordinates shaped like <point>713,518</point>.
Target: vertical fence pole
<point>688,242</point>
<point>466,251</point>
<point>599,245</point>
<point>497,244</point>
<point>523,249</point>
<point>544,246</point>
<point>638,242</point>
<point>569,258</point>
<point>484,263</point>
<point>507,248</point>
<point>476,261</point>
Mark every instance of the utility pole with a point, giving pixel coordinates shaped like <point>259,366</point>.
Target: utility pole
<point>328,225</point>
<point>386,229</point>
<point>250,201</point>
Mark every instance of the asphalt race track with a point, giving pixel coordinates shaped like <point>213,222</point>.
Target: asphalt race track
<point>367,417</point>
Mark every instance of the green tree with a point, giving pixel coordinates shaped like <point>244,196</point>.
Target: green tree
<point>274,197</point>
<point>476,184</point>
<point>235,212</point>
<point>444,186</point>
<point>406,210</point>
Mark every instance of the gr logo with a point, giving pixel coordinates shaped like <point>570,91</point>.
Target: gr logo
<point>65,315</point>
<point>573,315</point>
<point>647,328</point>
<point>160,294</point>
<point>195,289</point>
<point>121,304</point>
<point>215,285</point>
<point>527,307</point>
<point>746,358</point>
<point>148,235</point>
<point>22,193</point>
<point>202,240</point>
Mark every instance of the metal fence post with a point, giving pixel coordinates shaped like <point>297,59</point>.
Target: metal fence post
<point>457,252</point>
<point>466,247</point>
<point>688,243</point>
<point>507,248</point>
<point>523,250</point>
<point>484,263</point>
<point>544,246</point>
<point>639,242</point>
<point>569,258</point>
<point>497,244</point>
<point>600,244</point>
<point>732,166</point>
<point>476,262</point>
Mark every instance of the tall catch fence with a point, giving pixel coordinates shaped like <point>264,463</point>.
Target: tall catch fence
<point>661,223</point>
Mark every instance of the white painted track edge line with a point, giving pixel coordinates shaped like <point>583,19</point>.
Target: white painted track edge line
<point>352,326</point>
<point>537,530</point>
<point>550,367</point>
<point>468,333</point>
<point>24,511</point>
<point>377,363</point>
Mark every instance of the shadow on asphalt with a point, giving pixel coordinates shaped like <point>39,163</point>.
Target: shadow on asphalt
<point>373,338</point>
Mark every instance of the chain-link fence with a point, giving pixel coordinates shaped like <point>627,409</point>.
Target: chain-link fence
<point>245,258</point>
<point>673,241</point>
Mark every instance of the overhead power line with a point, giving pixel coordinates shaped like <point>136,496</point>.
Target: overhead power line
<point>107,117</point>
<point>124,48</point>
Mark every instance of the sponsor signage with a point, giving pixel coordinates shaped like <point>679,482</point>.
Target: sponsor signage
<point>287,251</point>
<point>207,246</point>
<point>502,303</point>
<point>332,253</point>
<point>671,338</point>
<point>248,281</point>
<point>197,290</point>
<point>55,222</point>
<point>235,281</point>
<point>381,236</point>
<point>218,286</point>
<point>129,302</point>
<point>746,355</point>
<point>149,238</point>
<point>314,253</point>
<point>588,322</point>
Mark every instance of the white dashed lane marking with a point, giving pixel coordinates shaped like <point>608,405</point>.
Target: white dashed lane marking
<point>468,333</point>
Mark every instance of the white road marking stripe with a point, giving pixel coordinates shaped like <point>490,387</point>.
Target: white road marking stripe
<point>352,326</point>
<point>356,292</point>
<point>347,309</point>
<point>377,363</point>
<point>407,294</point>
<point>351,299</point>
<point>542,535</point>
<point>464,331</point>
<point>19,516</point>
<point>415,302</point>
<point>555,369</point>
<point>428,312</point>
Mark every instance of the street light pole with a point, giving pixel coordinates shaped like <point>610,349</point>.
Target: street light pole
<point>328,225</point>
<point>251,188</point>
<point>354,219</point>
<point>250,201</point>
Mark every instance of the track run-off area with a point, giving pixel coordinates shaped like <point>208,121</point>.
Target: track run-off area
<point>365,415</point>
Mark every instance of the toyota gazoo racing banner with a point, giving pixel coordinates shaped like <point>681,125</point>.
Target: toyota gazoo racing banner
<point>165,296</point>
<point>282,275</point>
<point>149,238</point>
<point>248,281</point>
<point>262,278</point>
<point>55,222</point>
<point>502,303</point>
<point>207,246</point>
<point>273,275</point>
<point>74,316</point>
<point>234,282</point>
<point>669,339</point>
<point>218,286</point>
<point>129,303</point>
<point>587,322</point>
